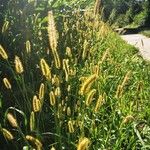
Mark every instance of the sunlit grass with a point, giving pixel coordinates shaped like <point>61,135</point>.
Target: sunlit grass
<point>85,88</point>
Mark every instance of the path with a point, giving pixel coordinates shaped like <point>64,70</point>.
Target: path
<point>139,41</point>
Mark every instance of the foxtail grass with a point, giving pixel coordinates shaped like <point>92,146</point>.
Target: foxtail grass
<point>3,53</point>
<point>83,144</point>
<point>7,134</point>
<point>18,65</point>
<point>12,120</point>
<point>6,83</point>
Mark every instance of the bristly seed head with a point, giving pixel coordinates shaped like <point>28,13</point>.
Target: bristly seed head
<point>99,103</point>
<point>52,32</point>
<point>46,71</point>
<point>12,120</point>
<point>86,84</point>
<point>7,83</point>
<point>89,98</point>
<point>70,126</point>
<point>3,53</point>
<point>128,119</point>
<point>52,98</point>
<point>7,134</point>
<point>36,104</point>
<point>34,141</point>
<point>18,65</point>
<point>41,91</point>
<point>83,144</point>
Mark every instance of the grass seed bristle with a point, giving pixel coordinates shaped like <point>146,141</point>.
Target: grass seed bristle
<point>6,83</point>
<point>87,82</point>
<point>89,98</point>
<point>7,134</point>
<point>36,104</point>
<point>18,65</point>
<point>12,120</point>
<point>3,53</point>
<point>83,144</point>
<point>46,71</point>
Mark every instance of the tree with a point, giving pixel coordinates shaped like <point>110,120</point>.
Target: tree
<point>147,21</point>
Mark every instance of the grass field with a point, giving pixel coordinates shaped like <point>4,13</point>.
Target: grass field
<point>81,87</point>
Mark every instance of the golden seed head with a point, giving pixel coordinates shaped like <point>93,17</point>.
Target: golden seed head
<point>70,126</point>
<point>72,72</point>
<point>53,36</point>
<point>69,88</point>
<point>12,120</point>
<point>86,84</point>
<point>119,91</point>
<point>66,68</point>
<point>59,112</point>
<point>64,108</point>
<point>56,81</point>
<point>52,98</point>
<point>5,26</point>
<point>36,104</point>
<point>7,134</point>
<point>28,46</point>
<point>97,7</point>
<point>68,52</point>
<point>46,71</point>
<point>18,65</point>
<point>3,53</point>
<point>52,148</point>
<point>32,121</point>
<point>34,141</point>
<point>104,56</point>
<point>89,98</point>
<point>68,111</point>
<point>7,83</point>
<point>52,32</point>
<point>126,78</point>
<point>83,144</point>
<point>57,92</point>
<point>66,65</point>
<point>85,50</point>
<point>99,103</point>
<point>41,91</point>
<point>56,59</point>
<point>128,119</point>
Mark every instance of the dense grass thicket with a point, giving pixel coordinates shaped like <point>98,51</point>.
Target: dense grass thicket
<point>68,82</point>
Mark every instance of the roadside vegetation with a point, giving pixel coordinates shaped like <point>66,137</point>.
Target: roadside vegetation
<point>68,82</point>
<point>135,13</point>
<point>146,32</point>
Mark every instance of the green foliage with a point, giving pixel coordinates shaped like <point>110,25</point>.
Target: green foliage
<point>140,18</point>
<point>146,32</point>
<point>132,11</point>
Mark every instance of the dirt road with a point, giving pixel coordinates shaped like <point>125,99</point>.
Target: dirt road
<point>141,42</point>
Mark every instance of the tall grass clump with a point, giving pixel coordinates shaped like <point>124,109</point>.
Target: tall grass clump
<point>74,84</point>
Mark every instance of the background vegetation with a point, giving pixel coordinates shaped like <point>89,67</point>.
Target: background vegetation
<point>135,13</point>
<point>67,81</point>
